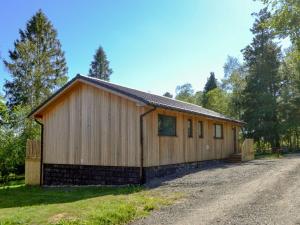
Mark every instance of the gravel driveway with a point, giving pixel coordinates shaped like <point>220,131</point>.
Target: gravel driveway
<point>257,192</point>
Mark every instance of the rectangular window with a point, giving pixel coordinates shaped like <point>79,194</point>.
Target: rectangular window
<point>190,128</point>
<point>166,125</point>
<point>218,131</point>
<point>200,129</point>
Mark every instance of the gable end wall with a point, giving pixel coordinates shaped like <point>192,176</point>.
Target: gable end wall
<point>89,126</point>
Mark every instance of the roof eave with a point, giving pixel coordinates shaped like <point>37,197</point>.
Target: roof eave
<point>196,113</point>
<point>84,79</point>
<point>52,97</point>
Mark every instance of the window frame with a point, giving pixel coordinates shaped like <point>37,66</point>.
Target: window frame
<point>201,128</point>
<point>166,135</point>
<point>215,131</point>
<point>190,130</point>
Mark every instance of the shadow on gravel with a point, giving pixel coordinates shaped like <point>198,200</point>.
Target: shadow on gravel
<point>206,165</point>
<point>212,165</point>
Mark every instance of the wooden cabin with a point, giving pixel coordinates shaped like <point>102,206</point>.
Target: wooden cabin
<point>97,132</point>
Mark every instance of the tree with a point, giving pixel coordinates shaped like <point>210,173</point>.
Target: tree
<point>185,93</point>
<point>285,19</point>
<point>198,98</point>
<point>100,66</point>
<point>234,82</point>
<point>211,83</point>
<point>10,156</point>
<point>289,101</point>
<point>262,61</point>
<point>38,67</point>
<point>168,94</point>
<point>3,112</point>
<point>37,64</point>
<point>217,100</point>
<point>232,65</point>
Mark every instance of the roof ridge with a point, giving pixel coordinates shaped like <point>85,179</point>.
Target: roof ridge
<point>142,96</point>
<point>173,99</point>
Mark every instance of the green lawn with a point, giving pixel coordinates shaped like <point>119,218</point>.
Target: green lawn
<point>268,156</point>
<point>20,204</point>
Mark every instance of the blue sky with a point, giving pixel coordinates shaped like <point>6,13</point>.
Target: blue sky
<point>152,45</point>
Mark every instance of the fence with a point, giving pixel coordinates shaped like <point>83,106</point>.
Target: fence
<point>247,150</point>
<point>33,162</point>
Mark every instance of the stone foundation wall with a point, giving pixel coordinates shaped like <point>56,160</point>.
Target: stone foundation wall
<point>59,174</point>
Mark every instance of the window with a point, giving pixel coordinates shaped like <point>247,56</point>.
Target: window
<point>200,129</point>
<point>218,131</point>
<point>166,125</point>
<point>190,128</point>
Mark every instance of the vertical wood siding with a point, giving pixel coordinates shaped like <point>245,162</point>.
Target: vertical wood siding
<point>163,150</point>
<point>89,126</point>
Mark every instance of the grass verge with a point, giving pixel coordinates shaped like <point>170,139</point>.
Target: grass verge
<point>21,204</point>
<point>268,156</point>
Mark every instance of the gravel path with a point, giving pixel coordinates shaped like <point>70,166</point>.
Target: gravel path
<point>257,192</point>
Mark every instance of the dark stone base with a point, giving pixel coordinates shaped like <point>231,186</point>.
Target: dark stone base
<point>60,174</point>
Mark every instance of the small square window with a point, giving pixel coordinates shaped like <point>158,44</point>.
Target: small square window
<point>190,128</point>
<point>166,125</point>
<point>218,131</point>
<point>200,129</point>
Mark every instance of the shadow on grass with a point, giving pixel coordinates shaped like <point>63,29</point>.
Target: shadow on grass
<point>19,196</point>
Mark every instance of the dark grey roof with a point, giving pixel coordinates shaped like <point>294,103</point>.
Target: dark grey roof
<point>159,101</point>
<point>149,99</point>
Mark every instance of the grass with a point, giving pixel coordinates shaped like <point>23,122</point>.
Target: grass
<point>268,156</point>
<point>20,204</point>
<point>13,178</point>
<point>271,155</point>
<point>12,183</point>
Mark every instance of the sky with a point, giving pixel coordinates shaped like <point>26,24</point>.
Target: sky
<point>152,45</point>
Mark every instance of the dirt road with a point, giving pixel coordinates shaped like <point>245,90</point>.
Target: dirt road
<point>257,192</point>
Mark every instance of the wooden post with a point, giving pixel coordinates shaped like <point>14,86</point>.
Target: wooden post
<point>32,162</point>
<point>247,150</point>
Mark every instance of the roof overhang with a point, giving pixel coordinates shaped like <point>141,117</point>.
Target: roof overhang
<point>236,122</point>
<point>36,113</point>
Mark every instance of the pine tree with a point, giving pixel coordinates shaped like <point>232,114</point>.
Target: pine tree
<point>285,20</point>
<point>3,112</point>
<point>262,59</point>
<point>37,64</point>
<point>211,83</point>
<point>100,66</point>
<point>168,94</point>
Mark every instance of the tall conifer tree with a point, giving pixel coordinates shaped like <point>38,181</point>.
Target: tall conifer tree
<point>37,64</point>
<point>100,66</point>
<point>210,85</point>
<point>168,94</point>
<point>262,59</point>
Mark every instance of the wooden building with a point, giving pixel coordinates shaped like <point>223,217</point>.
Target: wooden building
<point>96,132</point>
